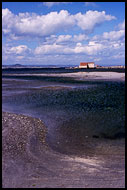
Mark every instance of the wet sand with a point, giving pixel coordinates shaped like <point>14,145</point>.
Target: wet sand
<point>82,75</point>
<point>29,162</point>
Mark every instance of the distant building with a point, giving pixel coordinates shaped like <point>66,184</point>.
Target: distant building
<point>87,65</point>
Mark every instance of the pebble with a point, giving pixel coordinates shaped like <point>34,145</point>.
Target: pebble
<point>20,130</point>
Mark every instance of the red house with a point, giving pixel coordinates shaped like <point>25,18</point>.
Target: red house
<point>86,65</point>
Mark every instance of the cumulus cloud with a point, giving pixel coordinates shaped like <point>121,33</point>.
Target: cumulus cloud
<point>63,39</point>
<point>91,19</point>
<point>59,47</point>
<point>26,24</point>
<point>7,21</point>
<point>53,49</point>
<point>96,46</point>
<point>21,49</point>
<point>114,44</point>
<point>113,35</point>
<point>91,49</point>
<point>33,25</point>
<point>16,50</point>
<point>80,37</point>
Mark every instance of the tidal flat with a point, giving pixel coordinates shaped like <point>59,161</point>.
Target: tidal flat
<point>85,124</point>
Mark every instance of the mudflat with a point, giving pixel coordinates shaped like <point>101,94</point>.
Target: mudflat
<point>108,75</point>
<point>28,161</point>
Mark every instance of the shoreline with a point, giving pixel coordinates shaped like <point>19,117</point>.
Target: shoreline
<point>80,75</point>
<point>26,156</point>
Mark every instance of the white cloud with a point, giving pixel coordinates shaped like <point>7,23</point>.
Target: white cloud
<point>53,49</point>
<point>21,49</point>
<point>91,19</point>
<point>7,21</point>
<point>121,26</point>
<point>113,43</point>
<point>26,24</point>
<point>90,49</point>
<point>113,35</point>
<point>60,53</point>
<point>33,25</point>
<point>63,39</point>
<point>80,37</point>
<point>100,46</point>
<point>16,50</point>
<point>46,24</point>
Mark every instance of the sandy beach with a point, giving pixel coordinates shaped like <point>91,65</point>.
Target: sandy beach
<point>96,75</point>
<point>29,162</point>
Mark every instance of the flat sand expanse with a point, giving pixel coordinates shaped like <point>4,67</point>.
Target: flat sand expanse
<point>28,162</point>
<point>82,75</point>
<point>96,75</point>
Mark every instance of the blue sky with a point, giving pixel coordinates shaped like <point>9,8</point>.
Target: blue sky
<point>63,33</point>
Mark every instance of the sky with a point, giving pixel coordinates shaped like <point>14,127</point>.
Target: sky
<point>63,33</point>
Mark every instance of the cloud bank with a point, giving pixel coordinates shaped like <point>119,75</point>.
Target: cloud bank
<point>55,43</point>
<point>26,24</point>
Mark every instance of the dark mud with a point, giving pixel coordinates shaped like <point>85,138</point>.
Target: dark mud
<point>28,161</point>
<point>71,133</point>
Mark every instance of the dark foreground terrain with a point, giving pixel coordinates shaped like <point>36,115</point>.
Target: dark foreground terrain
<point>29,162</point>
<point>63,130</point>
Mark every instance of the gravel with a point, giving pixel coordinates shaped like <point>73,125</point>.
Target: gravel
<point>29,162</point>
